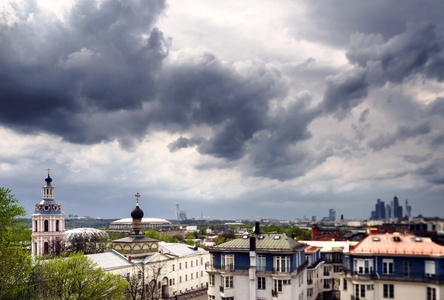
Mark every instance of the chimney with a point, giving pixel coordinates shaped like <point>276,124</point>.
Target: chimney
<point>252,243</point>
<point>257,229</point>
<point>129,258</point>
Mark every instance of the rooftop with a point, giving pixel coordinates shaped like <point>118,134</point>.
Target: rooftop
<point>180,250</point>
<point>264,242</point>
<point>144,220</point>
<point>110,260</point>
<point>396,243</point>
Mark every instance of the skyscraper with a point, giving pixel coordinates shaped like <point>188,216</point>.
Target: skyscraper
<point>332,214</point>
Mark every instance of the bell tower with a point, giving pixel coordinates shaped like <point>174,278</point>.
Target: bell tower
<point>48,223</point>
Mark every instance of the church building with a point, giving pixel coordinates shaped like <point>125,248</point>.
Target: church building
<point>48,223</point>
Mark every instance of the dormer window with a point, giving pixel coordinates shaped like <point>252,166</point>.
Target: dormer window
<point>397,239</point>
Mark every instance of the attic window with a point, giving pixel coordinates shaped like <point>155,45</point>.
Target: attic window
<point>376,239</point>
<point>261,237</point>
<point>397,239</point>
<point>417,239</point>
<point>277,237</point>
<point>245,237</point>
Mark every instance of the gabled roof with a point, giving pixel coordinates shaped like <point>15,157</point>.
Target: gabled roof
<point>110,260</point>
<point>399,244</point>
<point>180,250</point>
<point>266,242</point>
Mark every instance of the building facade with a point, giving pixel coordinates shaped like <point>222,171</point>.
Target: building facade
<point>48,223</point>
<point>393,266</point>
<point>258,266</point>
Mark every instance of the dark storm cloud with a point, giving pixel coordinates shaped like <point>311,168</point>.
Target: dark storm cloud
<point>417,50</point>
<point>433,172</point>
<point>334,22</point>
<point>234,103</point>
<point>101,59</point>
<point>182,143</point>
<point>402,133</point>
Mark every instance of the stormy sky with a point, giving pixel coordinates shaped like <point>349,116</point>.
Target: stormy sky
<point>233,109</point>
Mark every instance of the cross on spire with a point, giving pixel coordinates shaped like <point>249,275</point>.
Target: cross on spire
<point>48,171</point>
<point>137,196</point>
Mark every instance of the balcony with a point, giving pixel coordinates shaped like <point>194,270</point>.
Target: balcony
<point>241,269</point>
<point>396,276</point>
<point>309,281</point>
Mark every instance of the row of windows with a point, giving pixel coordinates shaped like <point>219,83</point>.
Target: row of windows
<point>191,264</point>
<point>365,266</point>
<point>281,263</point>
<point>388,290</point>
<point>46,226</point>
<point>191,276</point>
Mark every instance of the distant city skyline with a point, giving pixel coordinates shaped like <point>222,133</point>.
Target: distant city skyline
<point>233,109</point>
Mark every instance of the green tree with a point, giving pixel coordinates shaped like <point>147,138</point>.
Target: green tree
<point>75,277</point>
<point>15,261</point>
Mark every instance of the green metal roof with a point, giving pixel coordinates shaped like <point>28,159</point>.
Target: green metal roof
<point>265,242</point>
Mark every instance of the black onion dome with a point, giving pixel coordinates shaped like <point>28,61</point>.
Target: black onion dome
<point>137,213</point>
<point>48,179</point>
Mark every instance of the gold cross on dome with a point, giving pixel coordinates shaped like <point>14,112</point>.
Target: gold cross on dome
<point>137,196</point>
<point>48,171</point>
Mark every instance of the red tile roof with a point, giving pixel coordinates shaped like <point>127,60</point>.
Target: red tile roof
<point>399,244</point>
<point>312,249</point>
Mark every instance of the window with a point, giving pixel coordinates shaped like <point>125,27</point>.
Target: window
<point>345,285</point>
<point>139,274</point>
<point>431,293</point>
<point>201,260</point>
<point>389,291</point>
<point>282,263</point>
<point>127,276</point>
<point>261,263</point>
<point>186,277</point>
<point>327,271</point>
<point>406,268</point>
<point>211,297</point>
<point>301,279</point>
<point>363,266</point>
<point>261,283</point>
<point>46,226</point>
<point>57,225</point>
<point>362,290</point>
<point>227,298</point>
<point>35,226</point>
<point>370,287</point>
<point>191,264</point>
<point>387,266</point>
<point>201,273</point>
<point>211,280</point>
<point>309,292</point>
<point>212,260</point>
<point>180,266</point>
<point>197,262</point>
<point>197,274</point>
<point>430,268</point>
<point>278,285</point>
<point>228,262</point>
<point>328,258</point>
<point>180,279</point>
<point>46,247</point>
<point>191,276</point>
<point>347,263</point>
<point>186,264</point>
<point>173,267</point>
<point>228,281</point>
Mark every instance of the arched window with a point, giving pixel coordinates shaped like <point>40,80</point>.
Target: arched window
<point>46,226</point>
<point>57,225</point>
<point>46,248</point>
<point>35,226</point>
